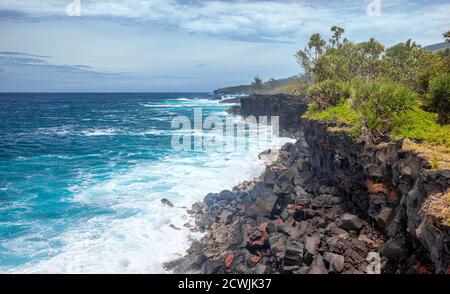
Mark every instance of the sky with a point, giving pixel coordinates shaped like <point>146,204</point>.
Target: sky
<point>186,46</point>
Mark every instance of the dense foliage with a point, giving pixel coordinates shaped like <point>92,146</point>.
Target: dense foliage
<point>383,103</point>
<point>439,98</point>
<point>329,93</point>
<point>377,85</point>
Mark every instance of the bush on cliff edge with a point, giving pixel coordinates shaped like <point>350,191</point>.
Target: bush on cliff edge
<point>382,103</point>
<point>329,93</point>
<point>374,103</point>
<point>439,98</point>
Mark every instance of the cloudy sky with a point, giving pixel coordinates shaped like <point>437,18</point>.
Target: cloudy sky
<point>190,45</point>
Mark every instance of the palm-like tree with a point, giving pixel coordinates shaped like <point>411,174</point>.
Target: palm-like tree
<point>446,36</point>
<point>337,34</point>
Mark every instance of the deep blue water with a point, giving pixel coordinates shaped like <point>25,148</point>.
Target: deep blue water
<point>82,175</point>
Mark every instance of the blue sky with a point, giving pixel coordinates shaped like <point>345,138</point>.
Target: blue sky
<point>191,45</point>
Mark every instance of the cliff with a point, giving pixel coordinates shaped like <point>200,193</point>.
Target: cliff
<point>286,107</point>
<point>266,88</point>
<point>234,90</point>
<point>387,186</point>
<point>328,205</point>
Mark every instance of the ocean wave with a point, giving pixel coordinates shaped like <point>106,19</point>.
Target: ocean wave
<point>191,103</point>
<point>115,132</point>
<point>60,131</point>
<point>184,105</point>
<point>138,237</point>
<point>99,132</point>
<point>112,219</point>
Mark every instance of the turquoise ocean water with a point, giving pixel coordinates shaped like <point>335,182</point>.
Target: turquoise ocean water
<point>82,177</point>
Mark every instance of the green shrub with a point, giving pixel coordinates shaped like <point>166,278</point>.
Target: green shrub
<point>382,102</point>
<point>439,98</point>
<point>421,125</point>
<point>329,93</point>
<point>342,113</point>
<point>362,91</point>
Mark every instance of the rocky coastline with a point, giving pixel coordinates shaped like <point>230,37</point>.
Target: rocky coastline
<point>328,204</point>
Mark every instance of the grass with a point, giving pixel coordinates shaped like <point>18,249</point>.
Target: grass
<point>292,88</point>
<point>438,208</point>
<point>437,155</point>
<point>422,134</point>
<point>427,138</point>
<point>421,125</point>
<point>342,114</point>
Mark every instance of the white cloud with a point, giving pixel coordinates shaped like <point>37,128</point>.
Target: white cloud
<point>254,20</point>
<point>268,19</point>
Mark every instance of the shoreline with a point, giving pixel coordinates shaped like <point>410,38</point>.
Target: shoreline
<point>259,236</point>
<point>265,159</point>
<point>327,205</point>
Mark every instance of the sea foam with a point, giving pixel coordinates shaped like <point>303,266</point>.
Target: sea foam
<point>134,234</point>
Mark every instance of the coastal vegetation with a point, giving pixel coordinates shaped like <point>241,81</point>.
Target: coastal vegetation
<point>295,85</point>
<point>366,179</point>
<point>373,92</point>
<point>402,91</point>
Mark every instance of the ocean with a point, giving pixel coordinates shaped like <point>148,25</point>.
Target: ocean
<point>82,177</point>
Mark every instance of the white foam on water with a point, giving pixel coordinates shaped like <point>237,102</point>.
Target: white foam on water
<point>99,132</point>
<point>113,132</point>
<point>187,103</point>
<point>183,105</point>
<point>137,237</point>
<point>60,131</point>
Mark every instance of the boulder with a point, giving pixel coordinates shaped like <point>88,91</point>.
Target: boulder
<point>210,199</point>
<point>320,200</point>
<point>299,191</point>
<point>311,245</point>
<point>284,183</point>
<point>264,153</point>
<point>167,202</point>
<point>287,147</point>
<point>303,179</point>
<point>264,203</point>
<point>335,200</point>
<point>350,222</point>
<point>293,254</point>
<point>384,215</point>
<point>277,243</point>
<point>335,261</point>
<point>210,267</point>
<point>259,269</point>
<point>318,266</point>
<point>395,249</point>
<point>228,196</point>
<point>433,240</point>
<point>284,189</point>
<point>288,199</point>
<point>304,228</point>
<point>291,268</point>
<point>303,165</point>
<point>327,190</point>
<point>374,171</point>
<point>270,178</point>
<point>198,260</point>
<point>287,229</point>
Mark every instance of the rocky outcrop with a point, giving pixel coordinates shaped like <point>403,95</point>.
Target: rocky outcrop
<point>328,205</point>
<point>387,186</point>
<point>230,100</point>
<point>287,108</point>
<point>281,223</point>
